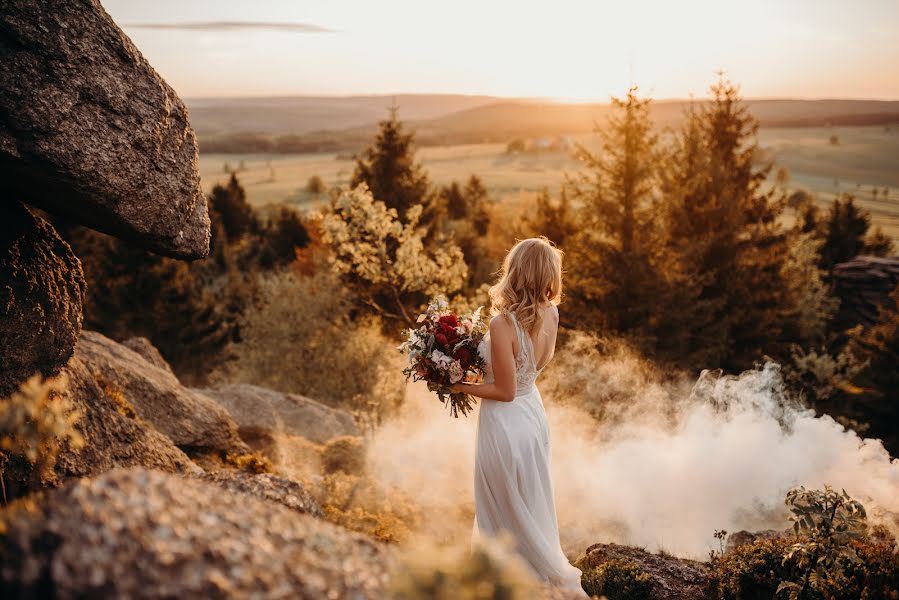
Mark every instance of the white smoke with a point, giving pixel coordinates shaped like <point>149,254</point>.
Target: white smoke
<point>723,458</point>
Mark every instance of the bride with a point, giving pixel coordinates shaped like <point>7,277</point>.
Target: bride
<point>512,483</point>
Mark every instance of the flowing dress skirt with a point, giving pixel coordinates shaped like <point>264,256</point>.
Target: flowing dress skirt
<point>513,486</point>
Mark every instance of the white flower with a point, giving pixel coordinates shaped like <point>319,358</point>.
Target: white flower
<point>440,359</point>
<point>455,372</point>
<point>461,329</point>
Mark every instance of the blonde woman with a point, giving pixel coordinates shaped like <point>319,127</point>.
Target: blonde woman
<point>512,481</point>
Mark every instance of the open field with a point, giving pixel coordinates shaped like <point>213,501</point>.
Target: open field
<point>863,158</point>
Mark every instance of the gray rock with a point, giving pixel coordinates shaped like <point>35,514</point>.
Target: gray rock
<point>90,131</point>
<point>114,436</point>
<point>188,418</point>
<point>133,533</point>
<point>41,294</point>
<point>672,578</point>
<point>148,351</point>
<point>260,412</point>
<point>267,487</point>
<point>744,538</point>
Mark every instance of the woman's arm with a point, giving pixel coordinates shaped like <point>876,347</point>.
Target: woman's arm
<point>502,359</point>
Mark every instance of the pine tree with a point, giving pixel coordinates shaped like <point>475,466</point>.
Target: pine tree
<point>389,169</point>
<point>847,234</point>
<point>554,218</point>
<point>722,236</point>
<point>612,280</point>
<point>230,202</point>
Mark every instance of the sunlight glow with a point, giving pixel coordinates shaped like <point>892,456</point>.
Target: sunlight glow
<point>568,49</point>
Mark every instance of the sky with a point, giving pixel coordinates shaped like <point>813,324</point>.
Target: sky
<point>561,49</point>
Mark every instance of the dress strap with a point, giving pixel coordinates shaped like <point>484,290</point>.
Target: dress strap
<point>524,341</point>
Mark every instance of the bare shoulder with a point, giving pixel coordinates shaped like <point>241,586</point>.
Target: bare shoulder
<point>500,325</point>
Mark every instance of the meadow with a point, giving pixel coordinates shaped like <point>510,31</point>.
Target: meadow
<point>861,159</point>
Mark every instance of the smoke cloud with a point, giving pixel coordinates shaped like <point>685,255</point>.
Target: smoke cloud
<point>663,468</point>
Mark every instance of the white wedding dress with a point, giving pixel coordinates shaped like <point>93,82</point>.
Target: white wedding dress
<point>513,487</point>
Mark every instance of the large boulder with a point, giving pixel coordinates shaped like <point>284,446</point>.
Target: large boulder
<point>672,578</point>
<point>90,131</point>
<point>267,487</point>
<point>114,434</point>
<point>133,533</point>
<point>190,419</point>
<point>148,351</point>
<point>261,412</point>
<point>41,293</point>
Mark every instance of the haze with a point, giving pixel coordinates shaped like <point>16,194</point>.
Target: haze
<point>566,49</point>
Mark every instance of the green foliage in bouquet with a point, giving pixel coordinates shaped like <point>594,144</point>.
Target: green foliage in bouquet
<point>443,350</point>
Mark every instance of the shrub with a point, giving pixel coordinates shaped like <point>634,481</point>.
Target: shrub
<point>618,579</point>
<point>315,186</point>
<point>33,422</point>
<point>831,521</point>
<point>384,260</point>
<point>491,571</point>
<point>345,453</point>
<point>366,505</point>
<point>752,570</point>
<point>755,571</point>
<point>301,337</point>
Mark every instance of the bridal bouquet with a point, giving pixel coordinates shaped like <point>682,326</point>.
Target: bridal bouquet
<point>443,349</point>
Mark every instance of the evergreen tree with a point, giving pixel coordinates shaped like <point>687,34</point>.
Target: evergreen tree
<point>389,169</point>
<point>132,292</point>
<point>722,236</point>
<point>612,280</point>
<point>230,202</point>
<point>847,234</point>
<point>552,217</point>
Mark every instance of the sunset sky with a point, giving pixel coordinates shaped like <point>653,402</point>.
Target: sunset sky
<point>565,49</point>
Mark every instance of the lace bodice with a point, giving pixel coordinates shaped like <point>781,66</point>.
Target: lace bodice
<point>526,371</point>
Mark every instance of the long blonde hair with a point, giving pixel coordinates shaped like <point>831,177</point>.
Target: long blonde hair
<point>531,275</point>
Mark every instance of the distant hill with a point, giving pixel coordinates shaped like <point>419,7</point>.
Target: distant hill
<point>323,124</point>
<point>301,114</point>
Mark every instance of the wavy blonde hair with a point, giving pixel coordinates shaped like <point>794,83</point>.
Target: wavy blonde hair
<point>531,275</point>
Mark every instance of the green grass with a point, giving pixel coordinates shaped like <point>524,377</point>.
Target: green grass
<point>864,158</point>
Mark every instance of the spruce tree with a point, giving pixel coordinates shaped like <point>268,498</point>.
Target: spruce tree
<point>230,202</point>
<point>722,236</point>
<point>612,279</point>
<point>389,169</point>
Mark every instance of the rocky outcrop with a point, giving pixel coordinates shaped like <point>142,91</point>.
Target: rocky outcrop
<point>267,487</point>
<point>188,418</point>
<point>41,293</point>
<point>145,534</point>
<point>90,131</point>
<point>260,412</point>
<point>745,538</point>
<point>863,285</point>
<point>148,352</point>
<point>672,578</point>
<point>114,435</point>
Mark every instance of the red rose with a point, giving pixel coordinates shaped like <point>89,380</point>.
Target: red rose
<point>463,355</point>
<point>450,321</point>
<point>441,339</point>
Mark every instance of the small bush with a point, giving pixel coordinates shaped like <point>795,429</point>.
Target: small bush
<point>618,579</point>
<point>366,505</point>
<point>34,421</point>
<point>752,570</point>
<point>223,460</point>
<point>756,570</point>
<point>491,571</point>
<point>345,453</point>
